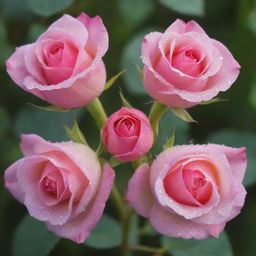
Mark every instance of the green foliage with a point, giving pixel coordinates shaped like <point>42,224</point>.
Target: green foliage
<point>48,7</point>
<point>186,7</point>
<point>112,80</point>
<point>234,138</point>
<point>169,123</point>
<point>183,114</point>
<point>33,238</point>
<point>170,142</point>
<point>107,234</point>
<point>47,124</point>
<point>139,10</point>
<point>208,247</point>
<point>130,57</point>
<point>76,134</point>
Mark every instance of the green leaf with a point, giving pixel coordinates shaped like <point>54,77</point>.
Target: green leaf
<point>114,162</point>
<point>107,234</point>
<point>125,102</point>
<point>4,121</point>
<point>139,10</point>
<point>214,100</point>
<point>170,142</point>
<point>47,124</point>
<point>35,31</point>
<point>191,247</point>
<point>167,124</point>
<point>33,238</point>
<point>186,7</point>
<point>183,114</point>
<point>76,134</point>
<point>140,71</point>
<point>235,138</point>
<point>112,80</point>
<point>50,108</point>
<point>130,57</point>
<point>48,7</point>
<point>16,10</point>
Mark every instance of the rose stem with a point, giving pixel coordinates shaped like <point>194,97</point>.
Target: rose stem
<point>156,112</point>
<point>143,248</point>
<point>99,115</point>
<point>97,111</point>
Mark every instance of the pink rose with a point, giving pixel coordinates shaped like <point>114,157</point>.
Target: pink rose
<point>61,184</point>
<point>127,134</point>
<point>184,67</point>
<point>190,191</point>
<point>64,66</point>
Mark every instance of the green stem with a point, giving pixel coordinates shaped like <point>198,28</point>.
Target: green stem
<point>143,248</point>
<point>97,112</point>
<point>125,250</point>
<point>156,112</point>
<point>119,203</point>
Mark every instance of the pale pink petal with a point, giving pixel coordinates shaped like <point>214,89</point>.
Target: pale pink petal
<point>176,226</point>
<point>70,25</point>
<point>237,160</point>
<point>15,66</point>
<point>139,194</point>
<point>80,227</point>
<point>33,65</point>
<point>192,26</point>
<point>178,26</point>
<point>28,142</point>
<point>11,182</point>
<point>150,48</point>
<point>84,87</point>
<point>98,35</point>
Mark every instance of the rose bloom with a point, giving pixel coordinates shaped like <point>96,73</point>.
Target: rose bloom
<point>190,191</point>
<point>127,134</point>
<point>64,66</point>
<point>184,66</point>
<point>62,184</point>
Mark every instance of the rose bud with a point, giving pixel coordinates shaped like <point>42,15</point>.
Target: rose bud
<point>183,66</point>
<point>62,184</point>
<point>127,134</point>
<point>190,191</point>
<point>64,65</point>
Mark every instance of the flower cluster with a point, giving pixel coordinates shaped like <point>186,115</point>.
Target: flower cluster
<point>188,191</point>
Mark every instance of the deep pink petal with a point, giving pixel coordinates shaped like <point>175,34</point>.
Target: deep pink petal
<point>139,194</point>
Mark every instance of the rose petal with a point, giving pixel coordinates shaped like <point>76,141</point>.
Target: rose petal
<point>139,193</point>
<point>80,227</point>
<point>175,226</point>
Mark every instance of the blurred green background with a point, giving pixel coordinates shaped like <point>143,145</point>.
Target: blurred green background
<point>233,123</point>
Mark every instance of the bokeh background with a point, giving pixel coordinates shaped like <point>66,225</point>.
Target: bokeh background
<point>233,122</point>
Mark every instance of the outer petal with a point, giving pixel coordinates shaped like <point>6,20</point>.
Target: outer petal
<point>98,35</point>
<point>237,160</point>
<point>11,182</point>
<point>75,91</point>
<point>69,24</point>
<point>139,193</point>
<point>79,228</point>
<point>28,142</point>
<point>15,66</point>
<point>173,225</point>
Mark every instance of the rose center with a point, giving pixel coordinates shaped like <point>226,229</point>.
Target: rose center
<point>188,61</point>
<point>197,184</point>
<point>50,185</point>
<point>127,127</point>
